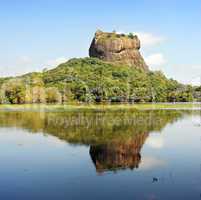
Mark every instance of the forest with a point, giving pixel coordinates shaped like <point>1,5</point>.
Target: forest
<point>93,81</point>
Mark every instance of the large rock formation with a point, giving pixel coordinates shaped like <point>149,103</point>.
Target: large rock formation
<point>118,48</point>
<point>117,154</point>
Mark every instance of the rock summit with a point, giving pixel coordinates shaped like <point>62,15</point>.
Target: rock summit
<point>117,48</point>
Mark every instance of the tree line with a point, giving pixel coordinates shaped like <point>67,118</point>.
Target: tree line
<point>92,80</point>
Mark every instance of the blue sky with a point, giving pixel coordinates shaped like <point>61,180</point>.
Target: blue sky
<point>36,34</point>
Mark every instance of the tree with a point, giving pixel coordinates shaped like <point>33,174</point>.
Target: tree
<point>130,35</point>
<point>38,94</point>
<point>14,91</point>
<point>52,95</point>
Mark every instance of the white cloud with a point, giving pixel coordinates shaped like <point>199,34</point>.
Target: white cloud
<point>155,141</point>
<point>16,66</point>
<point>149,163</point>
<point>196,67</point>
<point>155,60</point>
<point>55,62</point>
<point>148,39</point>
<point>25,64</point>
<point>24,60</point>
<point>196,80</point>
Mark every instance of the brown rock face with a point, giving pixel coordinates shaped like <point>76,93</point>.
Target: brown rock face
<point>118,154</point>
<point>118,48</point>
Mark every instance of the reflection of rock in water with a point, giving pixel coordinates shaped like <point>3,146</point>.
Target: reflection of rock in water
<point>118,154</point>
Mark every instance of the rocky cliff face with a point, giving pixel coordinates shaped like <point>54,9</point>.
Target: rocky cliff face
<point>118,154</point>
<point>118,48</point>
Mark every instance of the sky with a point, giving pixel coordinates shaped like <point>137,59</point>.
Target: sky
<point>38,34</point>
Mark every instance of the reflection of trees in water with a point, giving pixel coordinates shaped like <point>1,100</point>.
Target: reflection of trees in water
<point>115,138</point>
<point>118,154</point>
<point>88,127</point>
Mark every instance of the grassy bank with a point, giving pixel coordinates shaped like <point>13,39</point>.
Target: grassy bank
<point>100,107</point>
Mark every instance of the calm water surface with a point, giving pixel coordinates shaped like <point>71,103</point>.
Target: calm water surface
<point>119,155</point>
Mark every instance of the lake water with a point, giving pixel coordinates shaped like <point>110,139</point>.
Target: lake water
<point>100,155</point>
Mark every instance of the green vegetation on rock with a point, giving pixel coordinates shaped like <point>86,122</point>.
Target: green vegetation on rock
<point>93,80</point>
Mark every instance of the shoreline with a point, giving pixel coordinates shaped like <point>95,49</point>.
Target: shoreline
<point>100,107</point>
